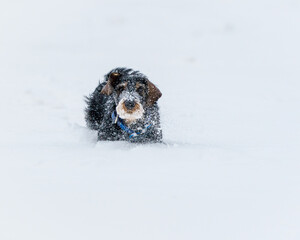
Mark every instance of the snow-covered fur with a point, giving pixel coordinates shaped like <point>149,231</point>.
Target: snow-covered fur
<point>133,98</point>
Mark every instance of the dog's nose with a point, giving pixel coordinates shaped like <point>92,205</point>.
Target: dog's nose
<point>129,104</point>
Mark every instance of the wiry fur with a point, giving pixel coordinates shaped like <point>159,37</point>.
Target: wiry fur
<point>100,107</point>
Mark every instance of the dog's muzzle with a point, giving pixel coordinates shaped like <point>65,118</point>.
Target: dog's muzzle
<point>130,109</point>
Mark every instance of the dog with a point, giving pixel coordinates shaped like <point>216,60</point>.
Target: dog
<point>124,108</point>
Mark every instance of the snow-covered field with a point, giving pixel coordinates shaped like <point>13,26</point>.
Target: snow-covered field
<point>230,76</point>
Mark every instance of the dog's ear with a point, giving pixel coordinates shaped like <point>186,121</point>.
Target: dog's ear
<point>153,93</point>
<point>111,82</point>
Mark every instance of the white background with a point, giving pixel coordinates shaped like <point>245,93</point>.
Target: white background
<point>229,72</point>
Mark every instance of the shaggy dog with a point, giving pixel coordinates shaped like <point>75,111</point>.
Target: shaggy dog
<point>124,107</point>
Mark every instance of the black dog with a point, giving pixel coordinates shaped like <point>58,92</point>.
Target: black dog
<point>124,107</point>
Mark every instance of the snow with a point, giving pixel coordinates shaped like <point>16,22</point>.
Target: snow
<point>229,74</point>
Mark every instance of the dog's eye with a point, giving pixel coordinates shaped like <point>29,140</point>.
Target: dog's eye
<point>140,90</point>
<point>120,88</point>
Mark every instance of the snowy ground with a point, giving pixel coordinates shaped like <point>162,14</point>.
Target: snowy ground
<point>229,73</point>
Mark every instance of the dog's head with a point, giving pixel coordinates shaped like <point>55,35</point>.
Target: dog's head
<point>132,92</point>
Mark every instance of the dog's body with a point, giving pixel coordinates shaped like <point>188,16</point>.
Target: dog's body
<point>124,107</point>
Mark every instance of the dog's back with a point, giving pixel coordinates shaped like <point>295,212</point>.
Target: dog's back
<point>94,112</point>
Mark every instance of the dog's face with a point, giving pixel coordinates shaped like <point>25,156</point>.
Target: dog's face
<point>132,94</point>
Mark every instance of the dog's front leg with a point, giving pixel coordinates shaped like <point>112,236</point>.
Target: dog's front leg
<point>108,132</point>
